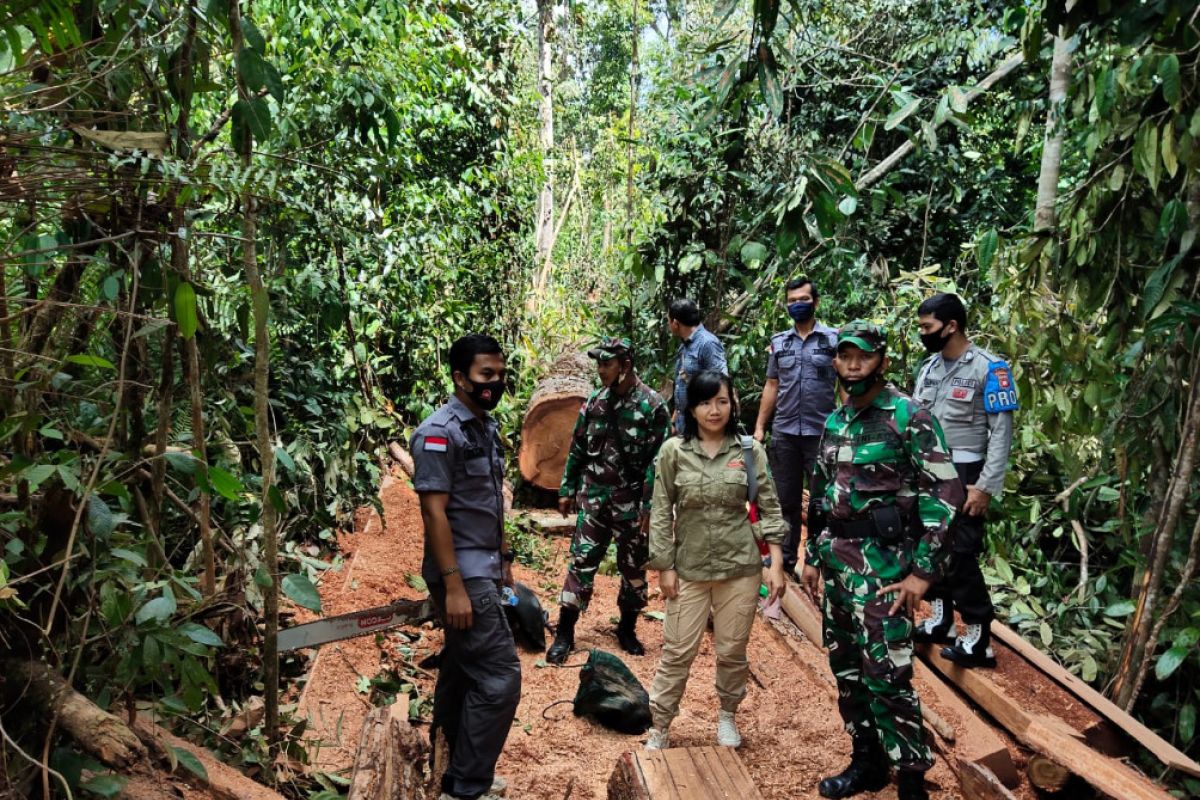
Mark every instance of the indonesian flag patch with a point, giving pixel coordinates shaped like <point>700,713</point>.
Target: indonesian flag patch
<point>436,444</point>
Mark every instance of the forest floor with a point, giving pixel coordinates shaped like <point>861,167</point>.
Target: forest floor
<point>789,720</point>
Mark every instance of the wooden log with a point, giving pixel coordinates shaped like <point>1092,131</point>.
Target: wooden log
<point>682,773</point>
<point>34,685</point>
<point>979,783</point>
<point>391,757</point>
<point>550,419</point>
<point>402,457</point>
<point>1047,735</point>
<point>974,740</point>
<point>1047,774</point>
<point>1164,751</point>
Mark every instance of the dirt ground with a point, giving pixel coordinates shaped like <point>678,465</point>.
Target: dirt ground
<point>789,721</point>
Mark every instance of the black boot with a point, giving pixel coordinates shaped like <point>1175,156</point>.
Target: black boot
<point>939,626</point>
<point>972,649</point>
<point>911,785</point>
<point>627,633</point>
<point>564,636</point>
<point>868,770</point>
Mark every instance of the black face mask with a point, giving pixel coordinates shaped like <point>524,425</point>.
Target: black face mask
<point>486,394</point>
<point>934,342</point>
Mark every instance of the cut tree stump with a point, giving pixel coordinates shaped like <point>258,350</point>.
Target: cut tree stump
<point>1047,735</point>
<point>1047,774</point>
<point>1162,749</point>
<point>391,757</point>
<point>974,739</point>
<point>550,419</point>
<point>682,773</point>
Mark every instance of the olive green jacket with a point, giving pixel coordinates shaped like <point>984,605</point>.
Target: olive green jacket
<point>699,525</point>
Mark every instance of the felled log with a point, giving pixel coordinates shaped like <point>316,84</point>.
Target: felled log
<point>550,419</point>
<point>979,783</point>
<point>402,457</point>
<point>391,755</point>
<point>35,685</point>
<point>1047,735</point>
<point>682,773</point>
<point>1047,774</point>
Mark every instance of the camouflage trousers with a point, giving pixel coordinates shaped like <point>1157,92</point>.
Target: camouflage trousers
<point>594,530</point>
<point>871,653</point>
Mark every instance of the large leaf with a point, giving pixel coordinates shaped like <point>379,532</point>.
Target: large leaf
<point>985,249</point>
<point>1122,608</point>
<point>100,521</point>
<point>1168,73</point>
<point>251,118</point>
<point>86,360</point>
<point>300,590</point>
<point>768,80</point>
<point>160,609</point>
<point>223,483</point>
<point>753,252</point>
<point>258,73</point>
<point>901,114</point>
<point>200,634</point>
<point>1169,661</point>
<point>185,310</point>
<point>189,761</point>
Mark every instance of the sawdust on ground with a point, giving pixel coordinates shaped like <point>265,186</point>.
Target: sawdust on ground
<point>789,721</point>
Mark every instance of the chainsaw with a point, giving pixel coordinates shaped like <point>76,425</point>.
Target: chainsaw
<point>356,623</point>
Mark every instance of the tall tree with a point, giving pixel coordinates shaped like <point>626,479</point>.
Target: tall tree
<point>1044,217</point>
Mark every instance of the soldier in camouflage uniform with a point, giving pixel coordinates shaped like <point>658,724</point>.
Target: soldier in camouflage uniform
<point>885,494</point>
<point>609,478</point>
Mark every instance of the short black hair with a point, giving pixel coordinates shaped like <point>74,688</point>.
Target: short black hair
<point>796,283</point>
<point>684,311</point>
<point>705,386</point>
<point>464,350</point>
<point>945,307</point>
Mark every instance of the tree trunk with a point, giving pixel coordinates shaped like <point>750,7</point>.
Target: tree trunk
<point>1044,217</point>
<point>262,420</point>
<point>391,757</point>
<point>550,420</point>
<point>544,224</point>
<point>630,150</point>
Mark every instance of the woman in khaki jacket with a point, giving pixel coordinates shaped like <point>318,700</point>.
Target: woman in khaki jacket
<point>703,544</point>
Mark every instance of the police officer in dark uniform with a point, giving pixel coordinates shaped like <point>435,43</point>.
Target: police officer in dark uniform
<point>459,476</point>
<point>799,392</point>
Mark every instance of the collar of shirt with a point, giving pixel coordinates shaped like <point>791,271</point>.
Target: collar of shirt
<point>464,414</point>
<point>882,400</point>
<point>699,329</point>
<point>967,357</point>
<point>820,328</point>
<point>695,446</point>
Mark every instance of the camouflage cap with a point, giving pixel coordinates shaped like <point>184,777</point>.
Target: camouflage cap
<point>611,347</point>
<point>866,336</point>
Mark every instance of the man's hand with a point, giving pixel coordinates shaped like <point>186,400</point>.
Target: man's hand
<point>810,580</point>
<point>775,582</point>
<point>977,501</point>
<point>566,506</point>
<point>506,574</point>
<point>458,608</point>
<point>908,594</point>
<point>668,582</point>
<point>759,434</point>
<point>644,523</point>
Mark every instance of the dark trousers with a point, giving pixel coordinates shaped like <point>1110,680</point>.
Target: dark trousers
<point>793,459</point>
<point>963,584</point>
<point>478,688</point>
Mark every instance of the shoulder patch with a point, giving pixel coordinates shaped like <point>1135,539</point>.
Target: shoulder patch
<point>999,390</point>
<point>436,444</point>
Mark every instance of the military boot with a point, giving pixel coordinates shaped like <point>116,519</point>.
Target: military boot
<point>564,636</point>
<point>939,626</point>
<point>627,632</point>
<point>911,786</point>
<point>867,772</point>
<point>972,649</point>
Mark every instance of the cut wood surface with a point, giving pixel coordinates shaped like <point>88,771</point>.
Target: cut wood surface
<point>550,419</point>
<point>391,759</point>
<point>979,783</point>
<point>1047,774</point>
<point>682,773</point>
<point>1047,735</point>
<point>1162,749</point>
<point>974,740</point>
<point>224,781</point>
<point>551,522</point>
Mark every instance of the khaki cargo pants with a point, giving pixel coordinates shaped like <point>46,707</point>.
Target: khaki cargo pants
<point>732,603</point>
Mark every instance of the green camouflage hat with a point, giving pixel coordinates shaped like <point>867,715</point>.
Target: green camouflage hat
<point>611,347</point>
<point>866,336</point>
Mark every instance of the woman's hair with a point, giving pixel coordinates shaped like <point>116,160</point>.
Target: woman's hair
<point>705,386</point>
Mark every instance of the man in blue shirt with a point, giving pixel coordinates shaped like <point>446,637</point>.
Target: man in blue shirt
<point>800,393</point>
<point>459,475</point>
<point>700,350</point>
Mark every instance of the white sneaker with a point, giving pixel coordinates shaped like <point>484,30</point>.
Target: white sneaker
<point>727,732</point>
<point>657,740</point>
<point>499,787</point>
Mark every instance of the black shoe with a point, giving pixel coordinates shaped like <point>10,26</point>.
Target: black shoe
<point>868,771</point>
<point>627,632</point>
<point>911,786</point>
<point>938,628</point>
<point>564,636</point>
<point>972,649</point>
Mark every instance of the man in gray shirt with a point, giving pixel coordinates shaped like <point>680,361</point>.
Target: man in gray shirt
<point>699,350</point>
<point>971,393</point>
<point>459,476</point>
<point>800,393</point>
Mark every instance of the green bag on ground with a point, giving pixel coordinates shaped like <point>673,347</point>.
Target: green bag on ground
<point>612,695</point>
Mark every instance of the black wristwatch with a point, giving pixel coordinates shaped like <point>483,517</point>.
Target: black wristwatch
<point>508,555</point>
